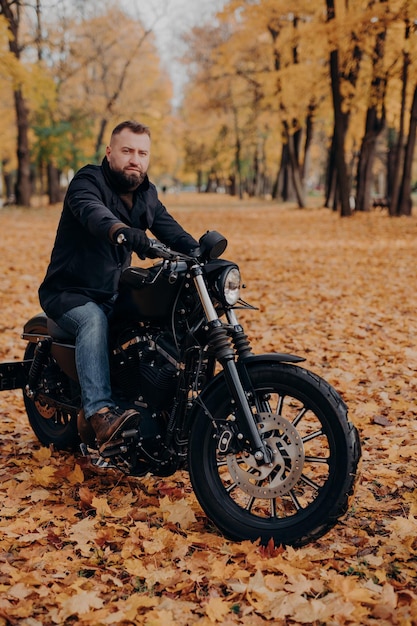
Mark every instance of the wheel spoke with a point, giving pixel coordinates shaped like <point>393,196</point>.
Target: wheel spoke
<point>300,416</point>
<point>295,501</point>
<point>250,504</point>
<point>317,459</point>
<point>231,487</point>
<point>273,507</point>
<point>221,463</point>
<point>317,433</point>
<point>309,482</point>
<point>280,404</point>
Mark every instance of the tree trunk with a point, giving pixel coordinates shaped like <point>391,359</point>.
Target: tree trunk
<point>54,188</point>
<point>339,126</point>
<point>238,164</point>
<point>283,187</point>
<point>331,174</point>
<point>374,126</point>
<point>398,150</point>
<point>294,166</point>
<point>405,202</point>
<point>340,162</point>
<point>23,184</point>
<point>375,122</point>
<point>308,139</point>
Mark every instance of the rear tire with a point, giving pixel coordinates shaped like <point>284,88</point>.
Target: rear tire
<point>316,450</point>
<point>53,424</point>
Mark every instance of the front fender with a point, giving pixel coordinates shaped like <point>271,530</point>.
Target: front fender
<point>205,399</point>
<point>281,357</point>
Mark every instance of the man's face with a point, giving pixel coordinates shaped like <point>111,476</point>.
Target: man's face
<point>128,155</point>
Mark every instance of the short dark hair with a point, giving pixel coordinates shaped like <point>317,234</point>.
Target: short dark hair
<point>135,127</point>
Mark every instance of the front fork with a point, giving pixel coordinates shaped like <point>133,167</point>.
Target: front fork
<point>220,341</point>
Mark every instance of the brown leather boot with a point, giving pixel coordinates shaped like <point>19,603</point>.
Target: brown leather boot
<point>109,424</point>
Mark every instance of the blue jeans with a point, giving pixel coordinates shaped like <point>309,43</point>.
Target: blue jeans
<point>89,325</point>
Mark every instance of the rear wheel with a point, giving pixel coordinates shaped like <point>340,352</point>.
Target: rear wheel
<point>52,412</point>
<point>315,451</point>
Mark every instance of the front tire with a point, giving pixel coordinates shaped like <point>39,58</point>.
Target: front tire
<point>305,490</point>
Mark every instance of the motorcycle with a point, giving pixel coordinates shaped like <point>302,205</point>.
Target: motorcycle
<point>269,448</point>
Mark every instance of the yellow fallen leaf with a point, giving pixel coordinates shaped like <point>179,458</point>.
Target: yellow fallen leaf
<point>102,507</point>
<point>179,512</point>
<point>20,591</point>
<point>76,476</point>
<point>83,533</point>
<point>42,454</point>
<point>217,609</point>
<point>79,603</point>
<point>43,476</point>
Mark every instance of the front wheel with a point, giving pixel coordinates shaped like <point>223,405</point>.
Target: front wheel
<point>315,452</point>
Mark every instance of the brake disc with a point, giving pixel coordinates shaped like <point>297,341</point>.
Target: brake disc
<point>276,478</point>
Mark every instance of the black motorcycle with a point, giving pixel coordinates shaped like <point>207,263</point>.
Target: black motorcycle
<point>268,446</point>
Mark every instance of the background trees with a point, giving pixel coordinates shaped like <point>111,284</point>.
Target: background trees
<point>79,73</point>
<point>282,99</point>
<point>331,80</point>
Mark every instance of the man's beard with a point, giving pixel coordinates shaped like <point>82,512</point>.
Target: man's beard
<point>129,181</point>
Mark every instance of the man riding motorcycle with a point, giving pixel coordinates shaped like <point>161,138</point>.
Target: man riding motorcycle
<point>106,211</point>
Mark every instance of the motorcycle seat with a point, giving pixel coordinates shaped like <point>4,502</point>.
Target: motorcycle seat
<point>57,333</point>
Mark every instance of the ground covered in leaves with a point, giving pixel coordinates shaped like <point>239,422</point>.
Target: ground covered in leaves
<point>84,548</point>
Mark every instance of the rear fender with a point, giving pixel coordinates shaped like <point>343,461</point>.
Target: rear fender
<point>36,329</point>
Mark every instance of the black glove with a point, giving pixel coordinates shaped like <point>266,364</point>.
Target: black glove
<point>133,239</point>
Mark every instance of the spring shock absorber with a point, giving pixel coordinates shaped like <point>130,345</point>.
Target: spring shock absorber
<point>241,342</point>
<point>220,341</point>
<point>239,338</point>
<point>39,358</point>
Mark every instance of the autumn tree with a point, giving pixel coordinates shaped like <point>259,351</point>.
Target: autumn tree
<point>9,71</point>
<point>96,78</point>
<point>403,81</point>
<point>253,72</point>
<point>218,112</point>
<point>376,109</point>
<point>12,11</point>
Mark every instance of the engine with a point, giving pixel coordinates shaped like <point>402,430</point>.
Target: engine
<point>144,367</point>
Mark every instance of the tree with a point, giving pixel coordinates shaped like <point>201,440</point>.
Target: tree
<point>95,73</point>
<point>405,202</point>
<point>12,10</point>
<point>375,114</point>
<point>401,147</point>
<point>341,187</point>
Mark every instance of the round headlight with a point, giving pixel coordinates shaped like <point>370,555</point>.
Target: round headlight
<point>231,285</point>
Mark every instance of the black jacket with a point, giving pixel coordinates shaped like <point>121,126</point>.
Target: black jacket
<point>85,265</point>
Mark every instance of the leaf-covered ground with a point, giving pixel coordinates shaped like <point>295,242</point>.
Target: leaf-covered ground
<point>79,547</point>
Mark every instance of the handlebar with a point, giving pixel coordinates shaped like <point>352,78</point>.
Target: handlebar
<point>159,251</point>
<point>212,246</point>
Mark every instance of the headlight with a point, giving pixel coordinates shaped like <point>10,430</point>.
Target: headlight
<point>229,286</point>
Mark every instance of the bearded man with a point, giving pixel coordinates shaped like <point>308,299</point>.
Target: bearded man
<point>106,211</point>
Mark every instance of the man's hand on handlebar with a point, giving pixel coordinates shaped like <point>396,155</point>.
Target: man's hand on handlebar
<point>133,239</point>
